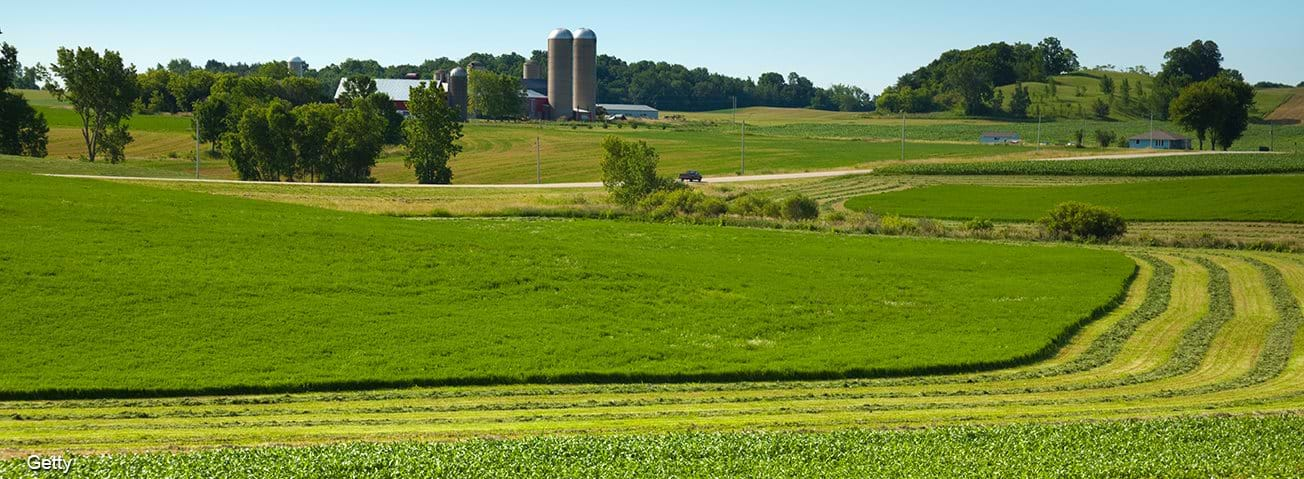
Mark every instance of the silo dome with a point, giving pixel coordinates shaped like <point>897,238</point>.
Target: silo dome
<point>560,34</point>
<point>296,60</point>
<point>459,72</point>
<point>585,34</point>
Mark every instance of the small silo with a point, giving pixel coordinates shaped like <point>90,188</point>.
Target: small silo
<point>297,66</point>
<point>531,70</point>
<point>559,73</point>
<point>586,72</point>
<point>457,91</point>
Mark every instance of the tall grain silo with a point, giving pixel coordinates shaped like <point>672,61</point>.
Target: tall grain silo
<point>531,70</point>
<point>559,72</point>
<point>586,72</point>
<point>457,91</point>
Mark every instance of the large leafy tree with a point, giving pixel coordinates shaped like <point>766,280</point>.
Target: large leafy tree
<point>494,96</point>
<point>629,170</point>
<point>101,91</point>
<point>353,143</point>
<point>1056,59</point>
<point>312,125</point>
<point>974,85</point>
<point>23,130</point>
<point>431,135</point>
<point>261,146</point>
<point>393,133</point>
<point>1218,107</point>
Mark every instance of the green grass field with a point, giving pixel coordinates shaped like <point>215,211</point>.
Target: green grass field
<point>137,289</point>
<point>1186,165</point>
<point>1258,198</point>
<point>1198,447</point>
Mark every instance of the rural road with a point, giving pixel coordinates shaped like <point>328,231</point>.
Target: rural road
<point>589,184</point>
<point>598,184</point>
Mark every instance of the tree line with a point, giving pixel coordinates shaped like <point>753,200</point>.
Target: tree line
<point>23,130</point>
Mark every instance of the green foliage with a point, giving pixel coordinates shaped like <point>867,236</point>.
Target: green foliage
<point>431,135</point>
<point>1101,109</point>
<point>23,131</point>
<point>1020,101</point>
<point>393,132</point>
<point>979,224</point>
<point>799,208</point>
<point>261,147</point>
<point>1261,198</point>
<point>1083,222</point>
<point>1218,107</point>
<point>1078,137</point>
<point>964,78</point>
<point>101,91</point>
<point>668,203</point>
<point>629,170</point>
<point>478,301</point>
<point>1105,138</point>
<point>357,86</point>
<point>354,143</point>
<point>494,96</point>
<point>312,126</point>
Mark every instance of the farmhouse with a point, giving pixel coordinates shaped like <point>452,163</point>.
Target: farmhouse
<point>1161,140</point>
<point>998,137</point>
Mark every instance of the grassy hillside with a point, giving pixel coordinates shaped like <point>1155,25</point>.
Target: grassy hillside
<point>158,290</point>
<point>1066,102</point>
<point>1260,198</point>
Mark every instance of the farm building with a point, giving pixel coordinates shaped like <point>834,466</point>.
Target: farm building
<point>998,137</point>
<point>630,111</point>
<point>1161,140</point>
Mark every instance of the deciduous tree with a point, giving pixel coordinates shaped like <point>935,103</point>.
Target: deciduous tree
<point>431,135</point>
<point>101,91</point>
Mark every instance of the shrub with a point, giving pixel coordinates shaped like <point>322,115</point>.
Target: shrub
<point>665,204</point>
<point>895,225</point>
<point>1105,138</point>
<point>836,217</point>
<point>713,206</point>
<point>930,227</point>
<point>1083,222</point>
<point>629,170</point>
<point>799,208</point>
<point>748,205</point>
<point>979,224</point>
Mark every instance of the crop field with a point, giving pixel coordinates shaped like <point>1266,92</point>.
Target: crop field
<point>1199,333</point>
<point>1290,109</point>
<point>1259,198</point>
<point>1204,447</point>
<point>291,298</point>
<point>1184,165</point>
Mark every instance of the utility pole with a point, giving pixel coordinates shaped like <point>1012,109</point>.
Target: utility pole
<point>538,153</point>
<point>1152,129</point>
<point>742,151</point>
<point>1038,128</point>
<point>903,133</point>
<point>195,117</point>
<point>734,114</point>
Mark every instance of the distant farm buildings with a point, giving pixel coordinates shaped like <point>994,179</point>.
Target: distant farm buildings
<point>998,138</point>
<point>297,66</point>
<point>570,91</point>
<point>1161,140</point>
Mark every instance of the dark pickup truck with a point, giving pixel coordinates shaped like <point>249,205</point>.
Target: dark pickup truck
<point>690,175</point>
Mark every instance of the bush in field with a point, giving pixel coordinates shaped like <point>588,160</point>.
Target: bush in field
<point>800,207</point>
<point>748,205</point>
<point>1105,138</point>
<point>629,170</point>
<point>665,204</point>
<point>979,224</point>
<point>895,225</point>
<point>1083,222</point>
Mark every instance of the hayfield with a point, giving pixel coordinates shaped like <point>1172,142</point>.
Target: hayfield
<point>156,291</point>
<point>1256,198</point>
<point>1183,165</point>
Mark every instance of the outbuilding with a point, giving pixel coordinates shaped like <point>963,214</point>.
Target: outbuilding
<point>998,137</point>
<point>630,111</point>
<point>1160,140</point>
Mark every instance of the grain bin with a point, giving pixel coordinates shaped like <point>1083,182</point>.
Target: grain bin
<point>559,73</point>
<point>586,71</point>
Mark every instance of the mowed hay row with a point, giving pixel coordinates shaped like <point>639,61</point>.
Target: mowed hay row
<point>1233,352</point>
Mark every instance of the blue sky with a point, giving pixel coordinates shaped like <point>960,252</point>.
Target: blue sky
<point>853,42</point>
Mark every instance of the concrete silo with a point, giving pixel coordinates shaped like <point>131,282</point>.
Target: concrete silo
<point>586,72</point>
<point>560,45</point>
<point>531,70</point>
<point>457,91</point>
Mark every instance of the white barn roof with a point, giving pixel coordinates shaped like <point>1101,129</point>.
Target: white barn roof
<point>398,90</point>
<point>624,107</point>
